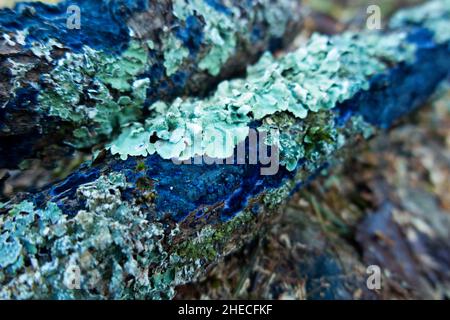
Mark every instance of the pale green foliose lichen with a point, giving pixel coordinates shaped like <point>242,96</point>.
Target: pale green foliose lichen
<point>133,141</point>
<point>429,16</point>
<point>222,29</point>
<point>88,74</point>
<point>19,69</point>
<point>96,92</point>
<point>316,137</point>
<point>103,245</point>
<point>110,249</point>
<point>220,32</point>
<point>188,128</point>
<point>174,53</point>
<point>313,79</point>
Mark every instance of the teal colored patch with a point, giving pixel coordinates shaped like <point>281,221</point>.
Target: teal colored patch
<point>174,54</point>
<point>9,250</point>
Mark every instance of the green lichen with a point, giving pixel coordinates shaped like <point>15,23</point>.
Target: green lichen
<point>16,242</point>
<point>133,141</point>
<point>325,143</point>
<point>109,242</point>
<point>434,15</point>
<point>220,32</point>
<point>174,54</point>
<point>79,91</point>
<point>324,72</point>
<point>120,72</point>
<point>185,129</point>
<point>94,92</point>
<point>311,80</point>
<point>9,250</point>
<point>275,197</point>
<point>302,139</point>
<point>111,246</point>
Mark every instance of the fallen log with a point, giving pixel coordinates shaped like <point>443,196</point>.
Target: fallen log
<point>137,224</point>
<point>72,73</point>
